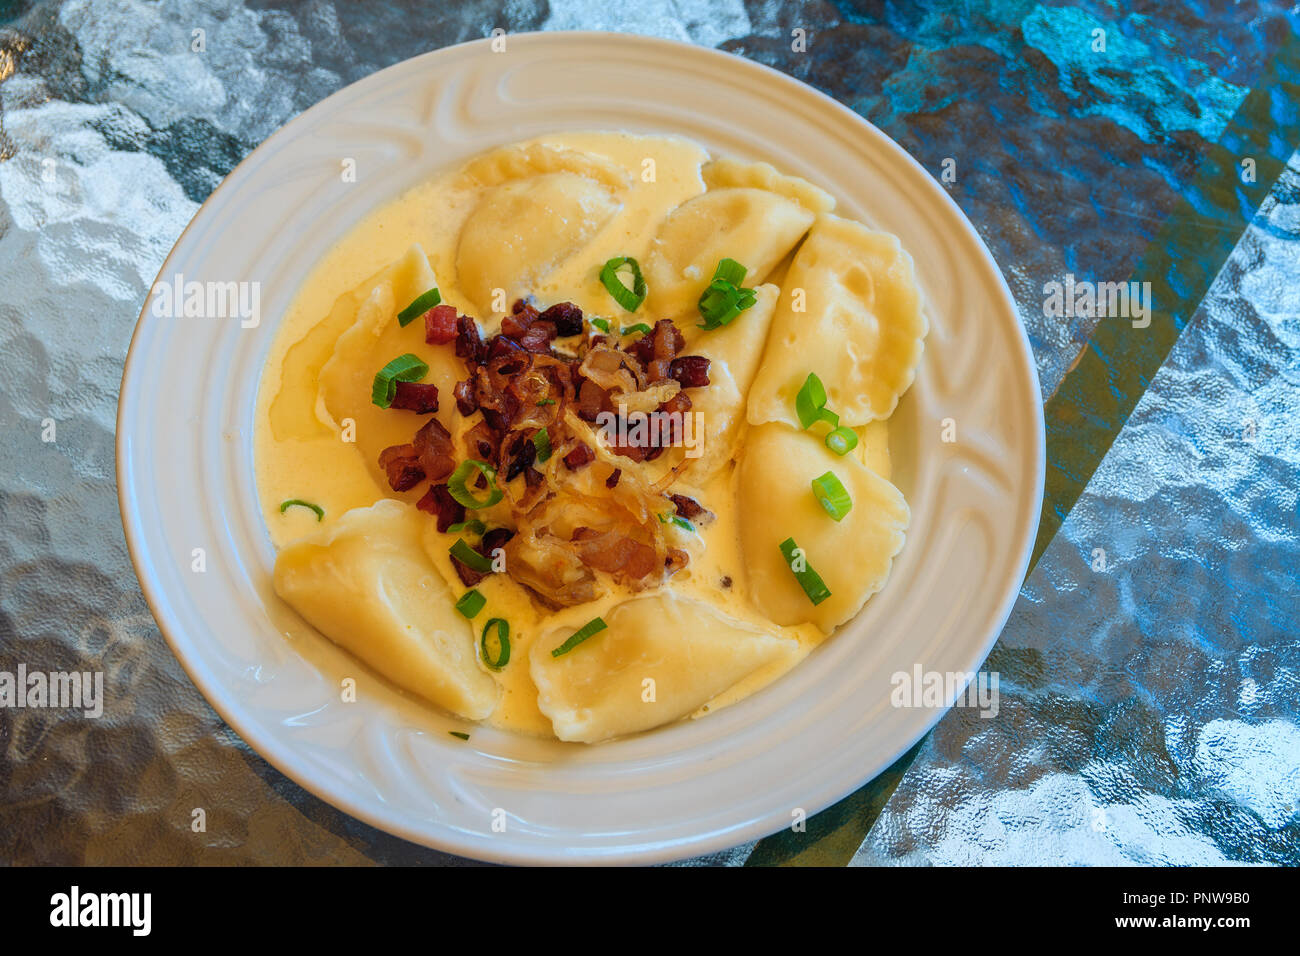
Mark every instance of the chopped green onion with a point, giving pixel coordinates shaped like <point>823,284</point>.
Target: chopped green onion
<point>459,733</point>
<point>842,440</point>
<point>502,657</point>
<point>602,324</point>
<point>639,327</point>
<point>831,493</point>
<point>669,518</point>
<point>471,602</point>
<point>808,579</point>
<point>422,304</point>
<point>458,488</point>
<point>594,626</point>
<point>320,512</point>
<point>810,401</point>
<point>542,442</point>
<point>629,299</point>
<point>404,368</point>
<point>473,526</point>
<point>546,401</point>
<point>729,270</point>
<point>467,556</point>
<point>724,299</point>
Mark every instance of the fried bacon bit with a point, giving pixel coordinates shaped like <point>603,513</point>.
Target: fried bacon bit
<point>440,325</point>
<point>581,455</point>
<point>469,342</point>
<point>567,533</point>
<point>402,463</point>
<point>438,501</point>
<point>432,444</point>
<point>690,509</point>
<point>419,397</point>
<point>692,371</point>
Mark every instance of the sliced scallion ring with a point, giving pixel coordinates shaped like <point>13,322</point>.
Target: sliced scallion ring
<point>404,368</point>
<point>639,327</point>
<point>542,443</point>
<point>502,657</point>
<point>594,626</point>
<point>602,324</point>
<point>471,602</point>
<point>298,502</point>
<point>422,304</point>
<point>842,440</point>
<point>832,494</point>
<point>808,579</point>
<point>473,526</point>
<point>467,556</point>
<point>731,271</point>
<point>810,401</point>
<point>629,299</point>
<point>458,484</point>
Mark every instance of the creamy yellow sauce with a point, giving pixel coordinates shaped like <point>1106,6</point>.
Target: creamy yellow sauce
<point>301,453</point>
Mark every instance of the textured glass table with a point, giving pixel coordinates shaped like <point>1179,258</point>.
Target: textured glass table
<point>1150,673</point>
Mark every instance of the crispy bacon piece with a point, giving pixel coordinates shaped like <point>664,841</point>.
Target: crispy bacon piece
<point>690,509</point>
<point>581,455</point>
<point>592,400</point>
<point>440,324</point>
<point>419,397</point>
<point>402,463</point>
<point>614,476</point>
<point>432,443</point>
<point>482,440</point>
<point>438,501</point>
<point>469,341</point>
<point>692,371</point>
<point>566,317</point>
<point>466,400</point>
<point>656,349</point>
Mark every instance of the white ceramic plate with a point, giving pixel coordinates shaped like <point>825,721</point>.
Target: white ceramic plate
<point>185,470</point>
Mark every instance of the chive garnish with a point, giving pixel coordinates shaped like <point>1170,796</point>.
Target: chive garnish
<point>404,368</point>
<point>546,401</point>
<point>498,661</point>
<point>594,626</point>
<point>458,487</point>
<point>459,733</point>
<point>629,299</point>
<point>467,556</point>
<point>602,324</point>
<point>320,512</point>
<point>422,304</point>
<point>842,440</point>
<point>473,526</point>
<point>542,443</point>
<point>808,579</point>
<point>832,494</point>
<point>640,327</point>
<point>669,518</point>
<point>724,298</point>
<point>471,602</point>
<point>811,401</point>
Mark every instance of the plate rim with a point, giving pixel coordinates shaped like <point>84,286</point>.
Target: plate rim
<point>446,840</point>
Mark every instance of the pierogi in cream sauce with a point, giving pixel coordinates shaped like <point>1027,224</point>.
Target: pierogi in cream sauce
<point>590,435</point>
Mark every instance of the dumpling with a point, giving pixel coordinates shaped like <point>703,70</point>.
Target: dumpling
<point>366,584</point>
<point>755,227</point>
<point>373,340</point>
<point>726,173</point>
<point>733,352</point>
<point>861,331</point>
<point>687,649</point>
<point>776,501</point>
<point>543,206</point>
<point>873,448</point>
